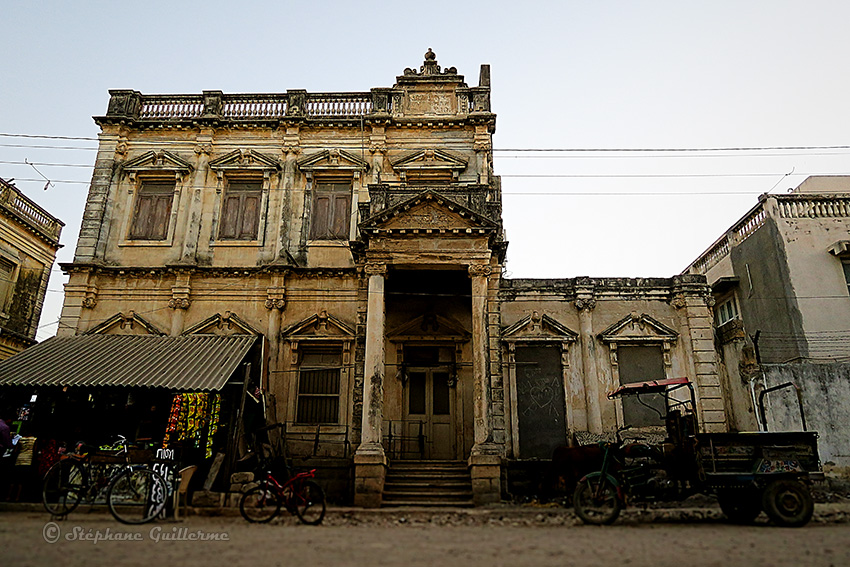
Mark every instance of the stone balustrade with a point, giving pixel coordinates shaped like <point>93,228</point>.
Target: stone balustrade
<point>216,105</point>
<point>29,213</point>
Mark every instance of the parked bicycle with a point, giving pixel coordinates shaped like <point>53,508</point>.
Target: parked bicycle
<point>135,494</point>
<point>300,496</point>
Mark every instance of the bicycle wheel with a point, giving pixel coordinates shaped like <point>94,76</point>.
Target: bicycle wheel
<point>596,501</point>
<point>309,501</point>
<point>260,504</point>
<point>137,496</point>
<point>64,486</point>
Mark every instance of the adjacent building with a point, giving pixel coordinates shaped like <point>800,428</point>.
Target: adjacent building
<point>29,240</point>
<point>781,280</point>
<point>359,236</point>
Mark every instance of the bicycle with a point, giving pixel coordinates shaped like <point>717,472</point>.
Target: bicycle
<point>299,495</point>
<point>135,494</point>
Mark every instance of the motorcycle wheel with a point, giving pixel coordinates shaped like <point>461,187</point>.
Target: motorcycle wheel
<point>596,501</point>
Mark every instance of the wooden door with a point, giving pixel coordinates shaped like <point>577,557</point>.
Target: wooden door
<point>429,414</point>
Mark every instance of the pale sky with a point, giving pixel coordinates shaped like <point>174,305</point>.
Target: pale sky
<point>565,75</point>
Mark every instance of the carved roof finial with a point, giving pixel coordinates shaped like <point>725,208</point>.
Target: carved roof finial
<point>430,55</point>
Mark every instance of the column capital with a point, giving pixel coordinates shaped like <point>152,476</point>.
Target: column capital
<point>476,270</point>
<point>585,303</point>
<point>375,269</point>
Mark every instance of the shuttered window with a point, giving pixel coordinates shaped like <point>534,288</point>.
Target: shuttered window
<point>318,387</point>
<point>7,273</point>
<point>152,212</point>
<point>240,211</point>
<point>331,211</point>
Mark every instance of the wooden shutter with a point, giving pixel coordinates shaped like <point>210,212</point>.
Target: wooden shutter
<point>331,211</point>
<point>153,210</point>
<point>240,211</point>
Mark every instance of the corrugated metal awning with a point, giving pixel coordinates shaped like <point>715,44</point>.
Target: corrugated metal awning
<point>192,362</point>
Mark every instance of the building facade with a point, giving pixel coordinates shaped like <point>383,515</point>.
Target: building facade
<point>29,240</point>
<point>360,234</point>
<point>781,280</point>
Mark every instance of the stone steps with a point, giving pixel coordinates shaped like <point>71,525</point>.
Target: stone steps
<point>428,483</point>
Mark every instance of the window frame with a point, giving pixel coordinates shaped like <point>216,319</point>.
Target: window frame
<point>336,196</point>
<point>305,369</point>
<point>729,302</point>
<point>237,187</point>
<point>135,232</point>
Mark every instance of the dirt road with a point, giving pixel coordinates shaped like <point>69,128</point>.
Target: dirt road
<point>96,539</point>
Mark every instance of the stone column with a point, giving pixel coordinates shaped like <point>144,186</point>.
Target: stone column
<point>179,302</point>
<point>275,303</point>
<point>485,460</point>
<point>195,200</point>
<point>585,304</point>
<point>370,462</point>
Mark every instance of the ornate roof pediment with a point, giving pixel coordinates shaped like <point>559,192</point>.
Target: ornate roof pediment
<point>157,161</point>
<point>130,323</point>
<point>537,327</point>
<point>429,326</point>
<point>638,328</point>
<point>332,160</point>
<point>433,161</point>
<point>319,326</point>
<point>218,324</point>
<point>426,212</point>
<point>242,160</point>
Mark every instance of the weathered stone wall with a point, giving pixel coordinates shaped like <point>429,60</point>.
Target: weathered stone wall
<point>825,390</point>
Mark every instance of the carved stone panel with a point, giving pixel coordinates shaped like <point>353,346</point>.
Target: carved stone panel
<point>430,103</point>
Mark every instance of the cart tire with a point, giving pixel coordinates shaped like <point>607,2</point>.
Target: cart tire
<point>596,501</point>
<point>741,506</point>
<point>788,503</point>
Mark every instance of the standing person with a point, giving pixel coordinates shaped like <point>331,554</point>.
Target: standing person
<point>6,452</point>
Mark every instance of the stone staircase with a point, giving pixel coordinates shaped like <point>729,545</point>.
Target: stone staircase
<point>428,483</point>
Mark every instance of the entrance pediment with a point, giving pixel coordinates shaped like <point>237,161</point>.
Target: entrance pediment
<point>638,328</point>
<point>538,327</point>
<point>427,327</point>
<point>428,212</point>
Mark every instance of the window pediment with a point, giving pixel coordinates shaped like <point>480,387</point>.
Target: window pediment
<point>331,161</point>
<point>538,327</point>
<point>319,326</point>
<point>160,161</point>
<point>636,328</point>
<point>130,323</point>
<point>429,163</point>
<point>245,160</point>
<point>218,324</point>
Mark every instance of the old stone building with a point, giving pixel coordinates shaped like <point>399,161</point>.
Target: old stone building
<point>781,279</point>
<point>360,234</point>
<point>29,240</point>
